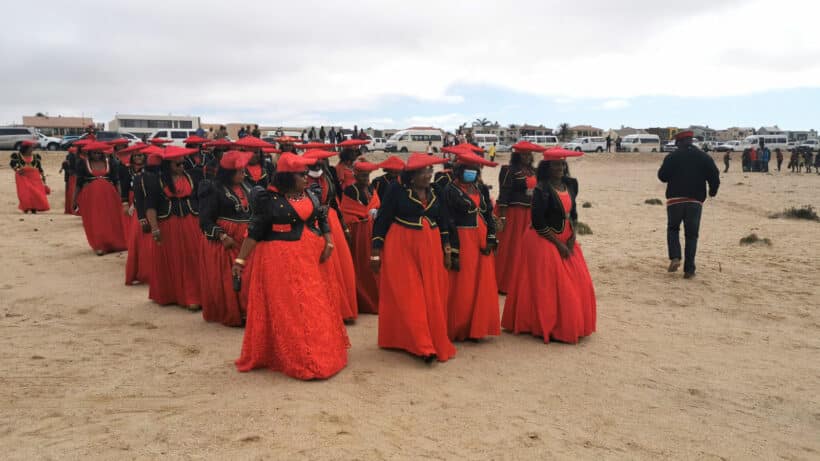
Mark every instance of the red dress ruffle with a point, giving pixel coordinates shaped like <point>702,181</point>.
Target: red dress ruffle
<point>292,326</point>
<point>339,273</point>
<point>413,289</point>
<point>220,303</point>
<point>360,223</point>
<point>101,209</point>
<point>554,297</point>
<point>175,278</point>
<point>472,307</point>
<point>138,265</point>
<point>69,194</point>
<point>31,192</point>
<point>508,256</point>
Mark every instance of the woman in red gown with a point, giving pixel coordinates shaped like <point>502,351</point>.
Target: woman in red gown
<point>516,184</point>
<point>68,169</point>
<point>360,204</point>
<point>292,326</point>
<point>392,168</point>
<point>171,209</point>
<point>132,194</point>
<point>411,254</point>
<point>554,297</point>
<point>224,213</point>
<point>29,179</point>
<point>344,169</point>
<point>98,199</point>
<point>472,308</point>
<point>339,271</point>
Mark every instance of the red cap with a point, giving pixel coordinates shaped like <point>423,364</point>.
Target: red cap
<point>97,146</point>
<point>118,142</point>
<point>287,140</point>
<point>457,150</point>
<point>219,143</point>
<point>235,160</point>
<point>418,161</point>
<point>72,150</point>
<point>135,148</point>
<point>313,145</point>
<point>354,142</point>
<point>154,160</point>
<point>195,140</point>
<point>290,163</point>
<point>469,158</point>
<point>685,134</point>
<point>393,163</point>
<point>526,146</point>
<point>174,152</point>
<point>271,150</point>
<point>153,150</point>
<point>559,153</point>
<point>252,142</point>
<point>84,141</point>
<point>319,154</point>
<point>160,141</point>
<point>363,165</point>
<point>28,143</point>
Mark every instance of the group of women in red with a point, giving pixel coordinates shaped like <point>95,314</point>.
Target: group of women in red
<point>274,239</point>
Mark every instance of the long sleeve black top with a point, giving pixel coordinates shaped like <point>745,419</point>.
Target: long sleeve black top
<point>401,206</point>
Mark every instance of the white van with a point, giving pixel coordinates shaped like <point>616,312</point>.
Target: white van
<point>484,141</point>
<point>177,136</point>
<point>641,143</point>
<point>591,144</point>
<point>772,141</point>
<point>415,140</point>
<point>543,141</point>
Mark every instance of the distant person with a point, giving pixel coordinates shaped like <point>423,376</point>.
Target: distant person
<point>746,160</point>
<point>764,159</point>
<point>817,163</point>
<point>608,143</point>
<point>779,155</point>
<point>210,133</point>
<point>200,132</point>
<point>686,173</point>
<point>618,144</point>
<point>492,152</point>
<point>362,134</point>
<point>242,133</point>
<point>256,133</point>
<point>340,136</point>
<point>312,134</point>
<point>727,157</point>
<point>331,135</point>
<point>430,148</point>
<point>321,134</point>
<point>302,136</point>
<point>793,161</point>
<point>753,159</point>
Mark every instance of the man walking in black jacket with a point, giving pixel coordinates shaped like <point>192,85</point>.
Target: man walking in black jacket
<point>686,173</point>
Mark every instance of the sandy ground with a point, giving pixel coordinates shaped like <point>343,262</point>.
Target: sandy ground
<point>726,366</point>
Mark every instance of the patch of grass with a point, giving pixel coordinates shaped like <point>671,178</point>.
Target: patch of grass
<point>753,239</point>
<point>582,228</point>
<point>806,212</point>
<point>653,201</point>
<point>586,205</point>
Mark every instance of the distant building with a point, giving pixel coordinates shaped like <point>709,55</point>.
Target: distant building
<point>59,125</point>
<point>624,131</point>
<point>531,130</point>
<point>799,135</point>
<point>703,133</point>
<point>734,133</point>
<point>582,131</point>
<point>665,133</point>
<point>147,124</point>
<point>770,130</point>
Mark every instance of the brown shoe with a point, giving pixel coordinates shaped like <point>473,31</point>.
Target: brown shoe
<point>674,265</point>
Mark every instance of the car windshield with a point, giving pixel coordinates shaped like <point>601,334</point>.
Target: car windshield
<point>396,137</point>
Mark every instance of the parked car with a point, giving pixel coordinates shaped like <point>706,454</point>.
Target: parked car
<point>813,144</point>
<point>49,143</point>
<point>589,144</point>
<point>131,137</point>
<point>375,144</point>
<point>543,141</point>
<point>415,140</point>
<point>728,146</point>
<point>641,143</point>
<point>670,146</point>
<point>12,136</point>
<point>503,148</point>
<point>103,136</point>
<point>67,141</point>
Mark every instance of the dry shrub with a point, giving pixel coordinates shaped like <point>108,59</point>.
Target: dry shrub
<point>582,228</point>
<point>805,212</point>
<point>653,201</point>
<point>753,239</point>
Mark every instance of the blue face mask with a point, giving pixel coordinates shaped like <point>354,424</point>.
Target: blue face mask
<point>469,176</point>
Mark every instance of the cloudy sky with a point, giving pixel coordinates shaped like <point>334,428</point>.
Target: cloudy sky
<point>386,63</point>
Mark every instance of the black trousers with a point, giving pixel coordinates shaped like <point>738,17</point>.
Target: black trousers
<point>689,214</point>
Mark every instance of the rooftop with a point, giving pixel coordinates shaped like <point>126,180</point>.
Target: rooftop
<point>57,122</point>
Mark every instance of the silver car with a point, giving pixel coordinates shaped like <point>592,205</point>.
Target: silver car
<point>12,136</point>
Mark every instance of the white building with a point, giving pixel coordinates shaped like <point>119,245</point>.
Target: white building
<point>147,124</point>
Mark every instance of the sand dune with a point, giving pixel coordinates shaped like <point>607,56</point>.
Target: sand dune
<point>726,366</point>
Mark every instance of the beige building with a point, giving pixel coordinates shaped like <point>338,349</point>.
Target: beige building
<point>59,125</point>
<point>582,131</point>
